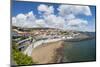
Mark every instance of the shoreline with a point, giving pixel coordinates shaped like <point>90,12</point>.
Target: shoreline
<point>79,39</point>
<point>49,53</point>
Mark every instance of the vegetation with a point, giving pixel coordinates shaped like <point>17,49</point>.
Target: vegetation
<point>64,33</point>
<point>19,57</point>
<point>17,38</point>
<point>22,38</point>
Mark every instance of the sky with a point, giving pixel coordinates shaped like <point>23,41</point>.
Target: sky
<point>53,15</point>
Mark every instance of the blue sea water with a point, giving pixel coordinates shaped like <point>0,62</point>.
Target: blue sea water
<point>80,51</point>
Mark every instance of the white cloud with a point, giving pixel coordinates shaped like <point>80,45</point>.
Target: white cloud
<point>77,24</point>
<point>66,18</point>
<point>28,20</point>
<point>54,21</point>
<point>70,12</point>
<point>13,21</point>
<point>24,20</point>
<point>40,23</point>
<point>91,27</point>
<point>76,10</point>
<point>31,16</point>
<point>46,9</point>
<point>70,17</point>
<point>19,20</point>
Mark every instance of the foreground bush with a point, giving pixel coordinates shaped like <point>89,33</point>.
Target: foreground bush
<point>20,58</point>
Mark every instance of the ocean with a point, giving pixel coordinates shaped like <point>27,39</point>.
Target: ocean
<point>80,51</point>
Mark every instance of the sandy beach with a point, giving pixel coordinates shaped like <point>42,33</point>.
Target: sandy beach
<point>48,53</point>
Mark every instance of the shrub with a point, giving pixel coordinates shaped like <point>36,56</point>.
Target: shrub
<point>20,58</point>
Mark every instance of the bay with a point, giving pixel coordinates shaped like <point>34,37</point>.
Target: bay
<point>80,51</point>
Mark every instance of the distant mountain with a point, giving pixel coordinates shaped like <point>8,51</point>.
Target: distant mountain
<point>91,34</point>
